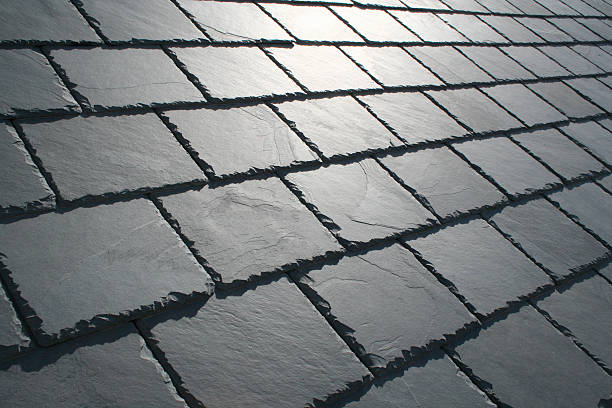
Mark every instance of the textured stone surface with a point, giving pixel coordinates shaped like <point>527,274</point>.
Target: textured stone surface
<point>565,99</point>
<point>337,126</point>
<point>544,29</point>
<point>30,86</point>
<point>428,26</point>
<point>418,310</point>
<point>486,269</point>
<point>360,201</point>
<point>375,25</point>
<point>101,264</point>
<point>88,156</point>
<point>519,358</point>
<point>536,61</point>
<point>12,338</point>
<point>496,63</point>
<point>267,347</point>
<point>596,55</point>
<point>248,229</point>
<point>426,4</point>
<point>593,90</point>
<point>571,60</point>
<point>530,7</point>
<point>413,117</point>
<point>606,182</point>
<point>595,138</point>
<point>606,271</point>
<point>502,6</point>
<point>239,140</point>
<point>575,29</point>
<point>512,29</point>
<point>558,7</point>
<point>112,368</point>
<point>600,27</point>
<point>473,28</point>
<point>104,77</point>
<point>466,5</point>
<point>449,64</point>
<point>583,8</point>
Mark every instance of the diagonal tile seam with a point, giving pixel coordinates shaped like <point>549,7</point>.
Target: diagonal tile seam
<point>566,134</point>
<point>78,5</point>
<point>191,18</point>
<point>579,92</point>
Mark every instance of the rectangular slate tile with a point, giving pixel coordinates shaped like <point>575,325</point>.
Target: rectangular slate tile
<point>375,25</point>
<point>518,360</point>
<point>475,110</point>
<point>266,347</point>
<point>90,156</point>
<point>22,185</point>
<point>549,237</point>
<point>473,28</point>
<point>105,78</point>
<point>239,140</point>
<point>593,137</point>
<point>413,117</point>
<point>536,61</point>
<point>31,86</point>
<point>419,312</point>
<point>593,90</point>
<point>466,5</point>
<point>496,63</point>
<point>597,26</point>
<point>531,7</point>
<point>392,66</point>
<point>506,163</point>
<point>449,64</point>
<point>606,182</point>
<point>575,29</point>
<point>322,68</point>
<point>512,29</point>
<point>606,271</point>
<point>544,29</point>
<point>480,265</point>
<point>558,7</point>
<point>112,368</point>
<point>428,26</point>
<point>565,99</point>
<point>337,126</point>
<point>583,8</point>
<point>502,7</point>
<point>102,265</point>
<point>448,184</point>
<point>596,55</point>
<point>426,4</point>
<point>12,337</point>
<point>571,60</point>
<point>224,74</point>
<point>360,201</point>
<point>603,6</point>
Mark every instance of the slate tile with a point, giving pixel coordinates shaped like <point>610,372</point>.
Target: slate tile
<point>239,140</point>
<point>606,182</point>
<point>475,110</point>
<point>558,7</point>
<point>413,117</point>
<point>531,7</point>
<point>392,66</point>
<point>544,29</point>
<point>337,126</point>
<point>112,368</point>
<point>466,5</point>
<point>449,64</point>
<point>360,201</point>
<point>473,28</point>
<point>536,61</point>
<point>602,6</point>
<point>428,26</point>
<point>519,358</point>
<point>549,237</point>
<point>375,25</point>
<point>384,3</point>
<point>90,156</point>
<point>565,99</point>
<point>481,265</point>
<point>267,347</point>
<point>22,185</point>
<point>607,123</point>
<point>595,138</point>
<point>102,265</point>
<point>496,63</point>
<point>43,21</point>
<point>511,29</point>
<point>105,78</point>
<point>502,7</point>
<point>30,86</point>
<point>299,22</point>
<point>575,29</point>
<point>582,7</point>
<point>125,20</point>
<point>12,338</point>
<point>596,55</point>
<point>322,68</point>
<point>571,60</point>
<point>525,104</point>
<point>248,229</point>
<point>590,205</point>
<point>426,4</point>
<point>593,90</point>
<point>419,312</point>
<point>448,184</point>
<point>236,22</point>
<point>512,168</point>
<point>606,271</point>
<point>599,27</point>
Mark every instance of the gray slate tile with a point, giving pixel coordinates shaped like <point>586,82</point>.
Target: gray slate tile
<point>385,3</point>
<point>22,185</point>
<point>375,25</point>
<point>496,63</point>
<point>449,64</point>
<point>268,347</point>
<point>531,7</point>
<point>249,229</point>
<point>465,5</point>
<point>512,29</point>
<point>558,7</point>
<point>548,236</point>
<point>224,74</point>
<point>565,99</point>
<point>30,86</point>
<point>544,29</point>
<point>337,126</point>
<point>360,201</point>
<point>502,6</point>
<point>520,360</point>
<point>575,29</point>
<point>105,78</point>
<point>239,140</point>
<point>418,311</point>
<point>428,26</point>
<point>448,184</point>
<point>593,90</point>
<point>595,138</point>
<point>606,182</point>
<point>597,26</point>
<point>596,55</point>
<point>571,60</point>
<point>536,61</point>
<point>582,7</point>
<point>413,117</point>
<point>473,28</point>
<point>513,169</point>
<point>606,271</point>
<point>112,368</point>
<point>90,156</point>
<point>426,4</point>
<point>101,264</point>
<point>12,337</point>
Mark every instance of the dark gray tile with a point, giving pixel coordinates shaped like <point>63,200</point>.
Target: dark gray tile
<point>595,138</point>
<point>267,347</point>
<point>596,55</point>
<point>473,28</point>
<point>375,25</point>
<point>536,61</point>
<point>30,86</point>
<point>552,239</point>
<point>248,229</point>
<point>483,267</point>
<point>12,338</point>
<point>571,60</point>
<point>544,29</point>
<point>413,117</point>
<point>89,156</point>
<point>606,271</point>
<point>105,78</point>
<point>240,140</point>
<point>512,168</point>
<point>465,5</point>
<point>606,182</point>
<point>385,3</point>
<point>512,29</point>
<point>597,26</point>
<point>101,264</point>
<point>565,99</point>
<point>496,63</point>
<point>583,8</point>
<point>531,7</point>
<point>602,6</point>
<point>593,90</point>
<point>360,201</point>
<point>112,368</point>
<point>428,26</point>
<point>449,64</point>
<point>575,29</point>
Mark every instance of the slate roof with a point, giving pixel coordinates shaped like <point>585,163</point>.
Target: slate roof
<point>363,204</point>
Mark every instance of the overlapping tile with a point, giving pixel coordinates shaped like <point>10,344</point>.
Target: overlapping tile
<point>449,64</point>
<point>375,25</point>
<point>473,28</point>
<point>565,99</point>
